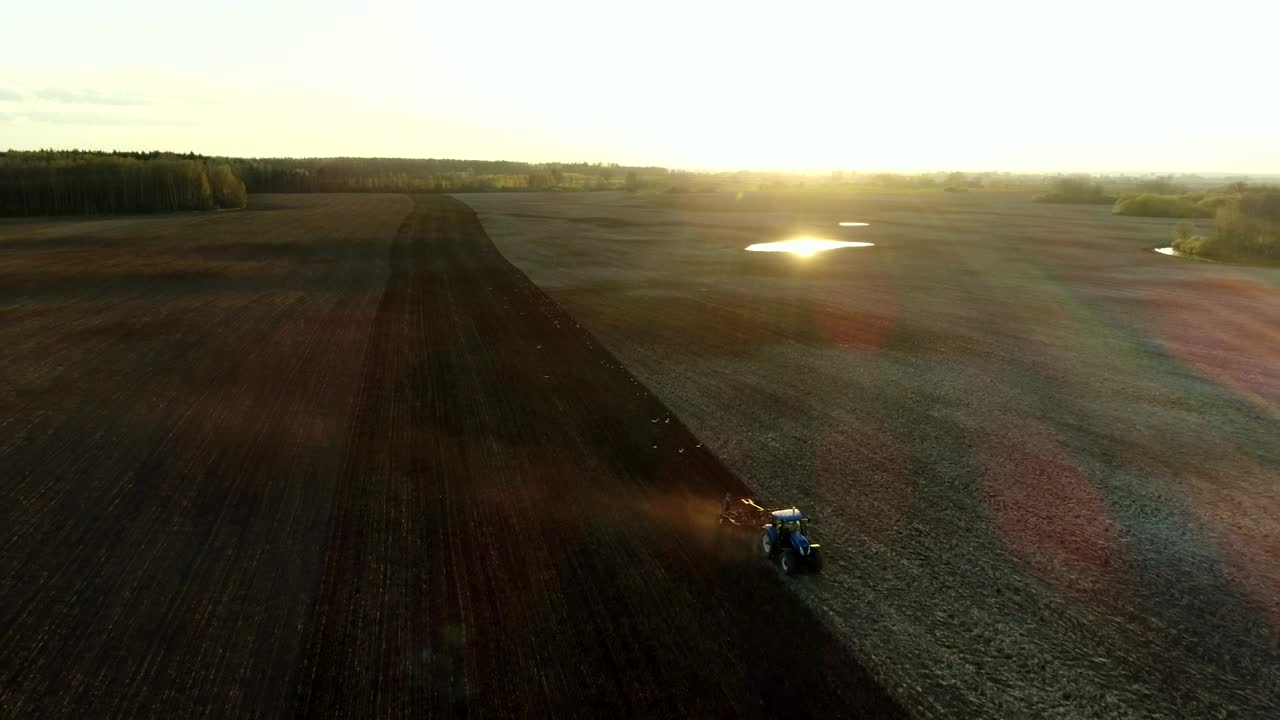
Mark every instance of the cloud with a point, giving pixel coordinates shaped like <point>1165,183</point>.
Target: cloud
<point>57,117</point>
<point>89,97</point>
<point>7,94</point>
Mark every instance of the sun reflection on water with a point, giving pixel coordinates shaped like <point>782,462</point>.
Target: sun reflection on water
<point>805,246</point>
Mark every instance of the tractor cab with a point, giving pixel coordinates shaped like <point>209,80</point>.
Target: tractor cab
<point>789,521</point>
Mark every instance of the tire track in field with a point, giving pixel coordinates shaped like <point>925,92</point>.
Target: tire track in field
<point>518,529</point>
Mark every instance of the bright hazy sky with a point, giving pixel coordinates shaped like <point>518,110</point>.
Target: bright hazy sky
<point>1149,85</point>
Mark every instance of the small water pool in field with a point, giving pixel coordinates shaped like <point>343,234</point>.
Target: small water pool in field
<point>805,246</point>
<point>854,224</point>
<point>1178,253</point>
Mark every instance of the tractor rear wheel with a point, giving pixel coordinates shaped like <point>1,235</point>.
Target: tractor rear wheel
<point>766,544</point>
<point>815,560</point>
<point>788,561</point>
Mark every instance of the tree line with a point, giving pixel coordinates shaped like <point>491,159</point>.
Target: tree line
<point>437,175</point>
<point>72,182</point>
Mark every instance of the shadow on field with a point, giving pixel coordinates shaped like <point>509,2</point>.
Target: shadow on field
<point>523,528</point>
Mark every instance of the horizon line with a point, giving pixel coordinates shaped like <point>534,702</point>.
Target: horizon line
<point>826,170</point>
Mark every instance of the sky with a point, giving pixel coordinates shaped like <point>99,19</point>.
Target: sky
<point>1123,85</point>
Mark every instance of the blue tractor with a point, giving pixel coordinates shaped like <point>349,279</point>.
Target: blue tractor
<point>784,538</point>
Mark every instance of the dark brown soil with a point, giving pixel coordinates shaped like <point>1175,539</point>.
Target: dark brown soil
<point>304,461</point>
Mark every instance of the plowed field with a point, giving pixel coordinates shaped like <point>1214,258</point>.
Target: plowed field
<point>334,456</point>
<point>1044,458</point>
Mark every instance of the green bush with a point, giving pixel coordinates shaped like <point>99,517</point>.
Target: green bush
<point>1076,189</point>
<point>1262,204</point>
<point>1184,238</point>
<point>1213,201</point>
<point>1152,205</point>
<point>1194,245</point>
<point>1181,205</point>
<point>1248,230</point>
<point>1159,186</point>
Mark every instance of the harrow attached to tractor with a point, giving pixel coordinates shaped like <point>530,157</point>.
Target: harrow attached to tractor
<point>783,536</point>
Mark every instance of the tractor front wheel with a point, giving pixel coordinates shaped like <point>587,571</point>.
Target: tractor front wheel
<point>815,560</point>
<point>788,561</point>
